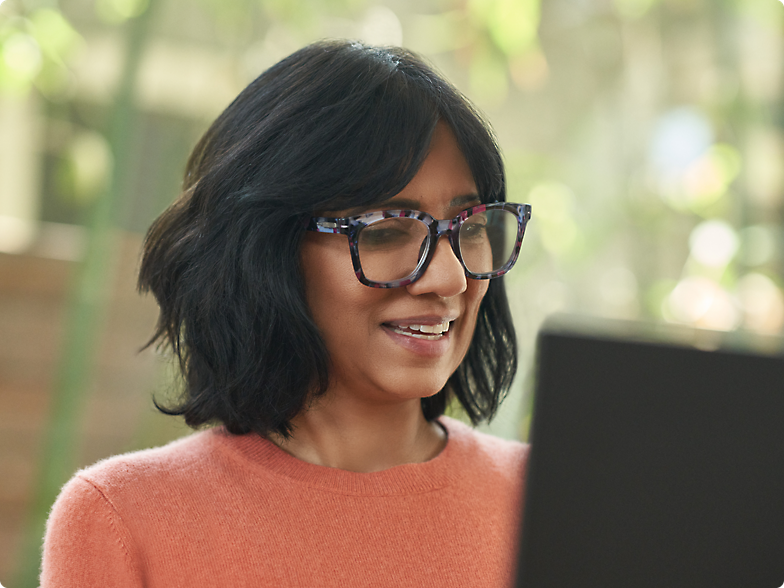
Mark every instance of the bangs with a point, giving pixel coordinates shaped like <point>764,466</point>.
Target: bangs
<point>328,133</point>
<point>371,144</point>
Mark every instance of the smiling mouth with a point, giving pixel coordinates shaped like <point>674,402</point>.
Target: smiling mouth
<point>427,332</point>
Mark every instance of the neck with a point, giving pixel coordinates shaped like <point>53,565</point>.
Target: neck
<point>350,436</point>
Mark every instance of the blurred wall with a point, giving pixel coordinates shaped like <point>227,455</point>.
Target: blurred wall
<point>117,411</point>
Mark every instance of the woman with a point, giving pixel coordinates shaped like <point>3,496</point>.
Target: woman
<point>324,319</point>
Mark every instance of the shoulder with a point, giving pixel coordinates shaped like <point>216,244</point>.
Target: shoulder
<point>476,441</point>
<point>93,526</point>
<point>117,496</point>
<point>178,462</point>
<point>485,453</point>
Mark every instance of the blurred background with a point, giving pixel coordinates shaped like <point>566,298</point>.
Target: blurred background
<point>647,134</point>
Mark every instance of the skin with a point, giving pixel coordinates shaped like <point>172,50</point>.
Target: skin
<point>371,419</point>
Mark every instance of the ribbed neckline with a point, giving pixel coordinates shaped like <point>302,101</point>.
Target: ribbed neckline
<point>263,456</point>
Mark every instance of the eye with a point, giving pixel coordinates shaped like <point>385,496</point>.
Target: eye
<point>475,228</point>
<point>391,233</point>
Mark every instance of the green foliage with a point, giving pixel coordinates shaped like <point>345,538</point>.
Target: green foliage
<point>499,33</point>
<point>35,50</point>
<point>118,11</point>
<point>511,24</point>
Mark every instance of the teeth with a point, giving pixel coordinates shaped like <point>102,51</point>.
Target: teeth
<point>429,332</point>
<point>440,328</point>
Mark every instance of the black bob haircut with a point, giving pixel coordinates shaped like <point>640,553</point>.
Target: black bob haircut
<point>333,126</point>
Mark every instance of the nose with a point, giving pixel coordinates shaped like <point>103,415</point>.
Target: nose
<point>444,276</point>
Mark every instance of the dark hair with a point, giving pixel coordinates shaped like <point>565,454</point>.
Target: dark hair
<point>333,126</point>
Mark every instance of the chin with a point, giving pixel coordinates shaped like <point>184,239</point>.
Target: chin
<point>420,389</point>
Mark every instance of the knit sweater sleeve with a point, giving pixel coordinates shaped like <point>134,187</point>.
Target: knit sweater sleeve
<point>87,543</point>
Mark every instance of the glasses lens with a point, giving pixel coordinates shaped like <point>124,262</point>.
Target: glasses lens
<point>391,249</point>
<point>487,240</point>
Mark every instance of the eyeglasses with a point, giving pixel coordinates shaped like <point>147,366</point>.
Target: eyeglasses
<point>392,248</point>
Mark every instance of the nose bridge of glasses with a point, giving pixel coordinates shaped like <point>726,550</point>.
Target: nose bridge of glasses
<point>444,227</point>
<point>442,270</point>
<point>441,228</point>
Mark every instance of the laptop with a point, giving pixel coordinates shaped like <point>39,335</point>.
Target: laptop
<point>657,459</point>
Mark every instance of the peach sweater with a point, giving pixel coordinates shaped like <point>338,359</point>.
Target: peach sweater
<point>216,510</point>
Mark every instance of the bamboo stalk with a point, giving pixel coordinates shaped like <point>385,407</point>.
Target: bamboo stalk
<point>86,311</point>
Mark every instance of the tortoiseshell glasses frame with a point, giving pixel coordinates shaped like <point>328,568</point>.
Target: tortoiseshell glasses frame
<point>352,227</point>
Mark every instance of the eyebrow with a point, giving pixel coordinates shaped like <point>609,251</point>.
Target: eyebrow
<point>409,204</point>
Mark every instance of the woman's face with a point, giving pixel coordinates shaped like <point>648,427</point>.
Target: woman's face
<point>373,349</point>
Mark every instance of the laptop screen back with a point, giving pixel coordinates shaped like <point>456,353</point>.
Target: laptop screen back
<point>653,465</point>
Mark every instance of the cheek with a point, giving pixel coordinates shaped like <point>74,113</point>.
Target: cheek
<point>475,293</point>
<point>326,264</point>
<point>318,274</point>
<point>334,295</point>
